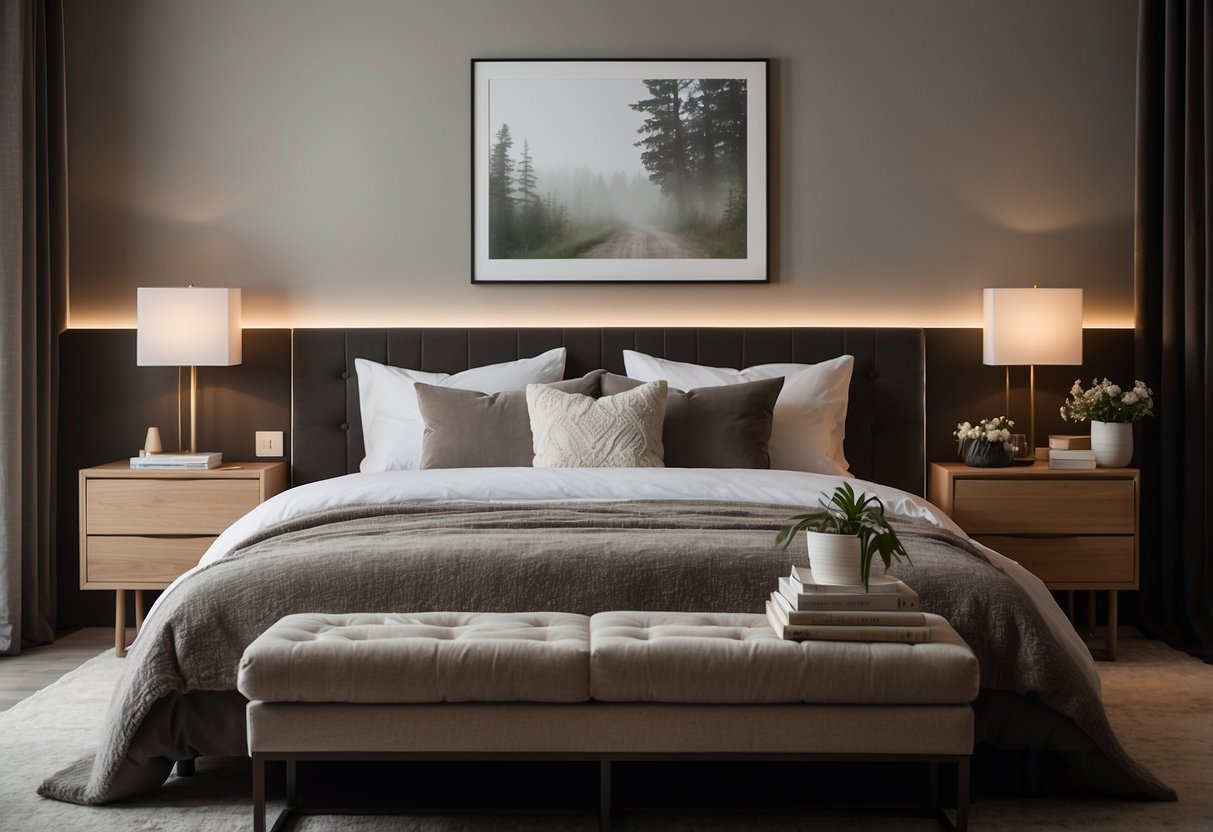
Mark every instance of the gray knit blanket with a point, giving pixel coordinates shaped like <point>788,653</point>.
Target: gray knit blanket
<point>177,697</point>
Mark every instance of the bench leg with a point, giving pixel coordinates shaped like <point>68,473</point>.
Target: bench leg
<point>261,820</point>
<point>962,795</point>
<point>290,784</point>
<point>604,796</point>
<point>258,793</point>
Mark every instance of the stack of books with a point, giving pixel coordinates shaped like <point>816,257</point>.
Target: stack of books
<point>200,461</point>
<point>887,611</point>
<point>1070,452</point>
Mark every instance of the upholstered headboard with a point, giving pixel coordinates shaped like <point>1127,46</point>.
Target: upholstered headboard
<point>885,420</point>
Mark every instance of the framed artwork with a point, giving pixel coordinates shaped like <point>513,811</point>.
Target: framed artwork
<point>620,171</point>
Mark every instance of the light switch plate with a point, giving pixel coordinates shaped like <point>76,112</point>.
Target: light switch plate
<point>269,443</point>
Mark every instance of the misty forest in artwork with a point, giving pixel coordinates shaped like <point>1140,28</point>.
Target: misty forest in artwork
<point>617,169</point>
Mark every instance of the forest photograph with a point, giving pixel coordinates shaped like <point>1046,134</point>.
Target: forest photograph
<point>646,168</point>
<point>666,179</point>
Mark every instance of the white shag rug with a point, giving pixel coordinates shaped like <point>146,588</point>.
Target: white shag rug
<point>1160,702</point>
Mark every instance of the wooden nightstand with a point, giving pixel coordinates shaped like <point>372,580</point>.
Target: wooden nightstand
<point>142,529</point>
<point>1074,529</point>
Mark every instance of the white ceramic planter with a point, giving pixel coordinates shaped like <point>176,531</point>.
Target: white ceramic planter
<point>834,558</point>
<point>1112,443</point>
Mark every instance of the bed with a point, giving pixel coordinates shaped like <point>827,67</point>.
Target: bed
<point>579,540</point>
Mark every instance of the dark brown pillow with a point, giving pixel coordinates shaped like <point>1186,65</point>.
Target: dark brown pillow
<point>469,429</point>
<point>714,427</point>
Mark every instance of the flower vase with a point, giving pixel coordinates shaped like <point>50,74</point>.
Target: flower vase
<point>1112,443</point>
<point>980,454</point>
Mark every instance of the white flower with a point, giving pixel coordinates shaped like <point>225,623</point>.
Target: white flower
<point>1129,398</point>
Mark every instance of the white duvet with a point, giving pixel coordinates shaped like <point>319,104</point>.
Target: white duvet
<point>793,488</point>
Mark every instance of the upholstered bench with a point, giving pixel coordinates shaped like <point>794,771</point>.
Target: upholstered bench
<point>617,686</point>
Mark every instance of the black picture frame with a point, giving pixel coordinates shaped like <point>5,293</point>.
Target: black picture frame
<point>620,171</point>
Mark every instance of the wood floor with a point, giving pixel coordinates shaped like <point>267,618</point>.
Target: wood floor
<point>33,669</point>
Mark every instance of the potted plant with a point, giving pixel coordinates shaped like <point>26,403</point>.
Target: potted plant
<point>843,537</point>
<point>1112,412</point>
<point>985,446</point>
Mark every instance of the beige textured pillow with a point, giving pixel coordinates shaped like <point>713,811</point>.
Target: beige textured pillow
<point>575,431</point>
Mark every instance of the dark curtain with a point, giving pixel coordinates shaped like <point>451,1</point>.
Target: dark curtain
<point>1175,319</point>
<point>33,310</point>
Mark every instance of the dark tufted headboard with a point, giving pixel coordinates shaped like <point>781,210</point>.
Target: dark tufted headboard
<point>885,420</point>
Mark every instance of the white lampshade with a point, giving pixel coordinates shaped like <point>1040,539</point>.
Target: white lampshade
<point>1032,326</point>
<point>188,327</point>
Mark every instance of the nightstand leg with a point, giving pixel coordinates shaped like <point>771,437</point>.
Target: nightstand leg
<point>120,623</point>
<point>138,611</point>
<point>1113,625</point>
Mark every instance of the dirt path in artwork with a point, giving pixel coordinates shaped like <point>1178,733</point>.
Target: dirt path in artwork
<point>644,243</point>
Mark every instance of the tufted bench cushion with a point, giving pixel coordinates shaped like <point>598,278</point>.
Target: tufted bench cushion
<point>738,658</point>
<point>420,657</point>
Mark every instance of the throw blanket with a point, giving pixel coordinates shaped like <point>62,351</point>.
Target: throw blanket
<point>177,698</point>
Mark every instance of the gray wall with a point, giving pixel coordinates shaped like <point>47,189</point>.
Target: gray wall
<point>315,153</point>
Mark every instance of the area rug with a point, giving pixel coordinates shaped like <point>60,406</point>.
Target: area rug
<point>1159,701</point>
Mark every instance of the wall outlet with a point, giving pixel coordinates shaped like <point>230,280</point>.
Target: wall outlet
<point>269,443</point>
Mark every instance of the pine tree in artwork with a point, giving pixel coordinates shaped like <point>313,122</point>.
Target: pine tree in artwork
<point>526,176</point>
<point>666,152</point>
<point>501,196</point>
<point>531,212</point>
<point>716,127</point>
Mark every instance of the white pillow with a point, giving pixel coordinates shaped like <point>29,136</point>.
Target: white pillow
<point>570,430</point>
<point>392,425</point>
<point>810,413</point>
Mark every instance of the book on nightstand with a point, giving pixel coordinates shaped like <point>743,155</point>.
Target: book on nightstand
<point>1071,459</point>
<point>779,622</point>
<point>1069,442</point>
<point>201,461</point>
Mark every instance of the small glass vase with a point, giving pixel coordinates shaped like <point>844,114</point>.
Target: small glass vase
<point>980,454</point>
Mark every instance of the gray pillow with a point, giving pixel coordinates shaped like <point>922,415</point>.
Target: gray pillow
<point>714,427</point>
<point>468,429</point>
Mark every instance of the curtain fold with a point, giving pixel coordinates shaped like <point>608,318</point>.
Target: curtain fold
<point>33,310</point>
<point>1174,327</point>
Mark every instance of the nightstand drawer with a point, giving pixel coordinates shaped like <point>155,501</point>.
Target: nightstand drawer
<point>1045,506</point>
<point>168,506</point>
<point>1083,561</point>
<point>130,560</point>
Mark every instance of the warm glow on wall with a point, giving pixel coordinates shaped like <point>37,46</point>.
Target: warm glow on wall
<point>450,303</point>
<point>782,318</point>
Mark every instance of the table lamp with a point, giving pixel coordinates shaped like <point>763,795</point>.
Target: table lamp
<point>1032,326</point>
<point>188,327</point>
